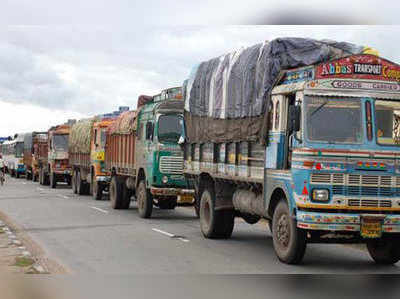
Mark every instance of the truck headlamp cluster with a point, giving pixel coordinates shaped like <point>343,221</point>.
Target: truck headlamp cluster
<point>321,195</point>
<point>164,179</point>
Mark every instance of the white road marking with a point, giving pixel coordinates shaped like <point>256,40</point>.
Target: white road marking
<point>170,235</point>
<point>163,232</point>
<point>66,197</point>
<point>101,210</point>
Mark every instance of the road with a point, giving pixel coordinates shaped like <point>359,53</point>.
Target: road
<point>88,236</point>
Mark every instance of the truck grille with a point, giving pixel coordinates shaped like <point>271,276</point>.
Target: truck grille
<point>171,165</point>
<point>359,185</point>
<point>370,203</point>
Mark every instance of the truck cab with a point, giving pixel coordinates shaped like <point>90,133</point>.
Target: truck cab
<point>13,152</point>
<point>333,153</point>
<point>100,176</point>
<point>159,157</point>
<point>58,169</point>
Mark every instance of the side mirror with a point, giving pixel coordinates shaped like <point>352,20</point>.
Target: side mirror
<point>294,118</point>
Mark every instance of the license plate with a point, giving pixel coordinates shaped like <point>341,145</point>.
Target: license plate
<point>185,199</point>
<point>371,228</point>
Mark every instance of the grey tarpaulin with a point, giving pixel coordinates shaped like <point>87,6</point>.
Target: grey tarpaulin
<point>225,97</point>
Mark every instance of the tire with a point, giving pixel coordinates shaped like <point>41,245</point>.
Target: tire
<point>73,182</point>
<point>144,200</point>
<point>289,241</point>
<point>41,176</point>
<point>17,175</point>
<point>53,180</point>
<point>27,176</point>
<point>116,198</point>
<point>97,190</point>
<point>80,185</point>
<point>214,224</point>
<point>384,251</point>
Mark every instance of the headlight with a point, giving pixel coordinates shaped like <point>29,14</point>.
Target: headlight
<point>320,195</point>
<point>164,179</point>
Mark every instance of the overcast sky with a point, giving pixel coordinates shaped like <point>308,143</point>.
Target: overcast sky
<point>56,64</point>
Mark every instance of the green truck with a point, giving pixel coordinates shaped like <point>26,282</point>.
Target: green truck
<point>144,157</point>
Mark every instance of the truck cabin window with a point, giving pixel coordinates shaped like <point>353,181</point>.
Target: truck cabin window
<point>387,115</point>
<point>60,142</point>
<point>19,149</point>
<point>333,120</point>
<point>170,128</point>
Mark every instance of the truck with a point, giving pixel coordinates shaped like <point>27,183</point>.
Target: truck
<point>144,157</point>
<point>31,141</point>
<point>303,134</point>
<point>86,153</point>
<point>57,167</point>
<point>13,154</point>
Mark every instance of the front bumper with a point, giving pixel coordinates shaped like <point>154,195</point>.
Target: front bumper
<point>21,169</point>
<point>342,222</point>
<point>62,171</point>
<point>170,191</point>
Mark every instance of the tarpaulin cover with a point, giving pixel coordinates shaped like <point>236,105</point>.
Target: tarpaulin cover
<point>225,97</point>
<point>79,136</point>
<point>124,124</point>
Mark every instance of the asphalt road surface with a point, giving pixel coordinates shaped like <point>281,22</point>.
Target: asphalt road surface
<point>88,236</point>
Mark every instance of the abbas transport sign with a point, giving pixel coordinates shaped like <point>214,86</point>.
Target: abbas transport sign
<point>359,67</point>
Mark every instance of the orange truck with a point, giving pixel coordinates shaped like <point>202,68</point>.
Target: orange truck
<point>86,151</point>
<point>57,169</point>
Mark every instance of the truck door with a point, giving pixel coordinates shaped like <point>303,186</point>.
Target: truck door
<point>275,152</point>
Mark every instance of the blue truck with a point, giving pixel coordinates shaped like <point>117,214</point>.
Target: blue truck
<point>324,166</point>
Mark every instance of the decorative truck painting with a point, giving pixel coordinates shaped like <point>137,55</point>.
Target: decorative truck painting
<point>324,166</point>
<point>57,169</point>
<point>86,153</point>
<point>143,154</point>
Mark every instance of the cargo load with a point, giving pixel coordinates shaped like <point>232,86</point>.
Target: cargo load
<point>124,124</point>
<point>226,97</point>
<point>79,138</point>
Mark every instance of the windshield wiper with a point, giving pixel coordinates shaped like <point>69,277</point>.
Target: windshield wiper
<point>318,108</point>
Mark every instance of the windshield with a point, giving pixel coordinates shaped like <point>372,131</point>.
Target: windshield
<point>170,128</point>
<point>19,149</point>
<point>387,114</point>
<point>333,120</point>
<point>60,142</point>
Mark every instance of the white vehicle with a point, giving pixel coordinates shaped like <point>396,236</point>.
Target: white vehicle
<point>13,156</point>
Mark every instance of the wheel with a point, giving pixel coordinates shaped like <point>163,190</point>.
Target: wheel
<point>126,197</point>
<point>214,224</point>
<point>80,185</point>
<point>289,241</point>
<point>41,176</point>
<point>144,200</point>
<point>34,177</point>
<point>384,251</point>
<point>17,175</point>
<point>53,180</point>
<point>73,182</point>
<point>69,180</point>
<point>27,176</point>
<point>116,193</point>
<point>97,190</point>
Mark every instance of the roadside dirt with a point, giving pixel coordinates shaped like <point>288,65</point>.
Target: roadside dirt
<point>19,253</point>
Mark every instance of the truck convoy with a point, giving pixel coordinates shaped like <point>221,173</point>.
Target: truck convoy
<point>56,168</point>
<point>143,154</point>
<point>304,134</point>
<point>31,143</point>
<point>13,154</point>
<point>86,155</point>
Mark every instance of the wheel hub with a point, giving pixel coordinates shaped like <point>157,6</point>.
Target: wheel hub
<point>283,232</point>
